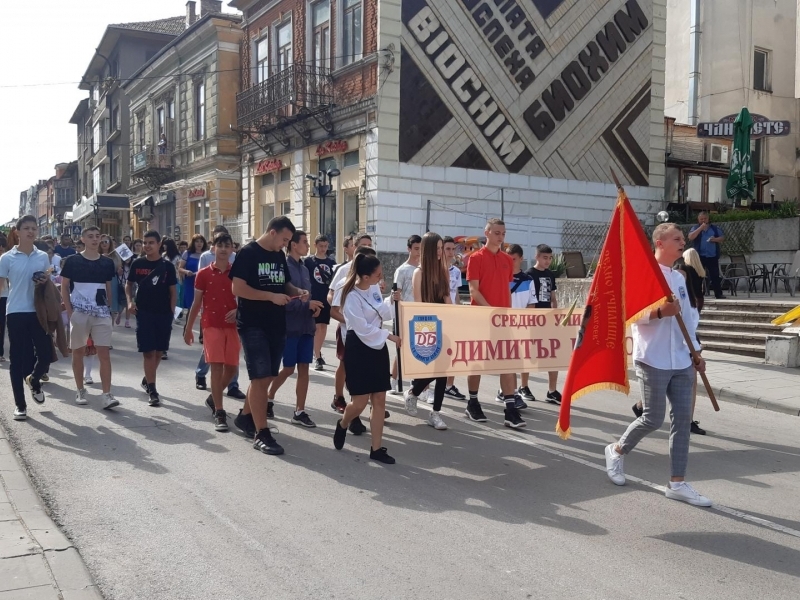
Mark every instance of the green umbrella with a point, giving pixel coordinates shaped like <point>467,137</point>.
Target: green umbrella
<point>740,180</point>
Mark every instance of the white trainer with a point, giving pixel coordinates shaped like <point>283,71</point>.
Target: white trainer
<point>429,396</point>
<point>80,397</point>
<point>686,493</point>
<point>109,401</point>
<point>393,383</point>
<point>411,403</point>
<point>614,464</point>
<point>88,381</point>
<point>435,421</point>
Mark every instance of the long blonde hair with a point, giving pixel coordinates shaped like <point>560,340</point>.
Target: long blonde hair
<point>692,259</point>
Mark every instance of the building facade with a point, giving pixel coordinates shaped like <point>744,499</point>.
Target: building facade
<point>184,167</point>
<point>722,55</point>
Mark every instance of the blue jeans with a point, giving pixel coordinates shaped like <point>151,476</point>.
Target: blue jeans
<point>203,368</point>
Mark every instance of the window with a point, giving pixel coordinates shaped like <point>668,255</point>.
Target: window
<point>201,218</point>
<point>286,175</point>
<point>321,33</point>
<point>64,196</point>
<point>171,110</point>
<point>115,167</point>
<point>262,59</point>
<point>326,164</point>
<point>761,70</point>
<point>351,216</point>
<point>98,180</point>
<point>351,159</point>
<point>98,138</point>
<point>352,42</point>
<point>115,118</point>
<point>717,189</point>
<point>757,160</point>
<point>200,111</point>
<point>284,35</point>
<point>162,115</point>
<point>267,214</point>
<point>268,179</point>
<point>286,207</point>
<point>96,93</point>
<point>140,134</point>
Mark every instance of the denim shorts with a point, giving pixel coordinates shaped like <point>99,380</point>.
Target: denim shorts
<point>263,351</point>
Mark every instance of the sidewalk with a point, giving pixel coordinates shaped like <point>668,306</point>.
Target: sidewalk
<point>37,562</point>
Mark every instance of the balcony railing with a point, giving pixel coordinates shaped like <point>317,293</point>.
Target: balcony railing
<point>152,157</point>
<point>298,86</point>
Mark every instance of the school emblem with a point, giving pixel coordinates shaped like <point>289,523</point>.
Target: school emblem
<point>426,338</point>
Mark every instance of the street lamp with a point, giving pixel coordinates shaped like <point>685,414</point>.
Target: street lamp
<point>323,186</point>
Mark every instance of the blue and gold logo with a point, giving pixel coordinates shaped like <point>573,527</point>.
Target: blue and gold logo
<point>425,338</point>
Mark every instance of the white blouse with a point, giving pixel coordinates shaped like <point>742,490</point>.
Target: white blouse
<point>364,313</point>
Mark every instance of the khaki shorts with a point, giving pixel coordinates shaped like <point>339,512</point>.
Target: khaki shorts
<point>82,326</point>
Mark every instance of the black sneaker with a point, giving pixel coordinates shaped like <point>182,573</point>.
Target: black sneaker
<point>381,456</point>
<point>246,424</point>
<point>155,399</point>
<point>146,387</point>
<point>319,365</point>
<point>210,404</point>
<point>452,392</point>
<point>357,427</point>
<point>339,435</point>
<point>526,394</point>
<point>519,403</point>
<point>270,410</point>
<point>303,419</point>
<point>386,414</point>
<point>45,378</point>
<point>637,410</point>
<point>164,356</point>
<point>200,383</point>
<point>267,444</point>
<point>339,404</point>
<point>236,393</point>
<point>475,412</point>
<point>220,420</point>
<point>554,397</point>
<point>696,429</point>
<point>512,419</point>
<point>36,389</point>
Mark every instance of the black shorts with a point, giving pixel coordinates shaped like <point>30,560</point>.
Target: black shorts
<point>263,351</point>
<point>153,331</point>
<point>324,317</point>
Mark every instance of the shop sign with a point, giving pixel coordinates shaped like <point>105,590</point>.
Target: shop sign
<point>197,193</point>
<point>332,147</point>
<point>762,127</point>
<point>109,221</point>
<point>269,165</point>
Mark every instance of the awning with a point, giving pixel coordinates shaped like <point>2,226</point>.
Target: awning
<point>67,216</point>
<point>142,202</point>
<point>85,208</point>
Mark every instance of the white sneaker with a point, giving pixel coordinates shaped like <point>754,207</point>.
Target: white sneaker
<point>88,381</point>
<point>393,381</point>
<point>109,401</point>
<point>20,414</point>
<point>614,463</point>
<point>411,403</point>
<point>435,421</point>
<point>429,396</point>
<point>686,493</point>
<point>80,397</point>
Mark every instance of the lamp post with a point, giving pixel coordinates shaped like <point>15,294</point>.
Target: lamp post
<point>323,186</point>
<point>772,199</point>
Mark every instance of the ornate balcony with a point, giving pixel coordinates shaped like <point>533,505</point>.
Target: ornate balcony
<point>153,165</point>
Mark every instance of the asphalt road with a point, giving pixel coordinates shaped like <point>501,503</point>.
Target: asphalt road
<point>163,507</point>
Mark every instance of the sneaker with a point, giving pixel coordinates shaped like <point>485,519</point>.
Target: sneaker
<point>80,397</point>
<point>20,414</point>
<point>155,399</point>
<point>339,404</point>
<point>637,410</point>
<point>45,378</point>
<point>319,365</point>
<point>686,493</point>
<point>109,401</point>
<point>164,356</point>
<point>210,404</point>
<point>127,324</point>
<point>246,424</point>
<point>475,412</point>
<point>512,419</point>
<point>267,444</point>
<point>339,435</point>
<point>614,465</point>
<point>270,410</point>
<point>220,420</point>
<point>519,403</point>
<point>554,397</point>
<point>200,383</point>
<point>394,384</point>
<point>386,414</point>
<point>411,403</point>
<point>435,421</point>
<point>88,381</point>
<point>381,456</point>
<point>696,429</point>
<point>357,427</point>
<point>146,387</point>
<point>429,396</point>
<point>236,394</point>
<point>525,393</point>
<point>303,419</point>
<point>452,392</point>
<point>36,389</point>
<point>500,397</point>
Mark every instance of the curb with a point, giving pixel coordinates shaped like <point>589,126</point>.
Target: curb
<point>67,569</point>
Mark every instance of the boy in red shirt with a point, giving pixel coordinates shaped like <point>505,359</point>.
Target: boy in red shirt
<point>220,339</point>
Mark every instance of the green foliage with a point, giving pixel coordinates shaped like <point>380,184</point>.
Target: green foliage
<point>558,265</point>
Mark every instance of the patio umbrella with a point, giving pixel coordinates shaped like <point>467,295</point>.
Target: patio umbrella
<point>740,179</point>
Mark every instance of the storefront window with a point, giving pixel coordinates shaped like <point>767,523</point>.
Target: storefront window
<point>716,189</point>
<point>267,214</point>
<point>694,188</point>
<point>351,218</point>
<point>201,218</point>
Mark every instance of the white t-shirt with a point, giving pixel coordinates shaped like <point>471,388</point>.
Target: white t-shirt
<point>455,283</point>
<point>403,278</point>
<point>364,312</point>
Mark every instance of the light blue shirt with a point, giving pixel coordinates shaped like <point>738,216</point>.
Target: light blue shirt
<point>207,258</point>
<point>19,268</point>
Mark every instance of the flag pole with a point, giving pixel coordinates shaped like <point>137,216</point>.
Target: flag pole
<point>695,355</point>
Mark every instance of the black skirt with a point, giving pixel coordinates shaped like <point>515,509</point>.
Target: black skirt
<point>366,369</point>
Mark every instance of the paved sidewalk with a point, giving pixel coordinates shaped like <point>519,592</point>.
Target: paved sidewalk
<point>37,562</point>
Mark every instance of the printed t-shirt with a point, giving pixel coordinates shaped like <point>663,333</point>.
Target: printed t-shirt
<point>523,292</point>
<point>153,293</point>
<point>87,283</point>
<point>403,277</point>
<point>266,271</point>
<point>321,271</point>
<point>218,299</point>
<point>544,282</point>
<point>493,272</point>
<point>455,283</point>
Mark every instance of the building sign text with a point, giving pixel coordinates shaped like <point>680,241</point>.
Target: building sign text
<point>269,165</point>
<point>332,147</point>
<point>762,127</point>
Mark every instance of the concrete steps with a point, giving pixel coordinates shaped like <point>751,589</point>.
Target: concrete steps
<point>741,326</point>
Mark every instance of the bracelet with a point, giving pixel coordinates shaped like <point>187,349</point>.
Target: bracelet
<point>658,312</point>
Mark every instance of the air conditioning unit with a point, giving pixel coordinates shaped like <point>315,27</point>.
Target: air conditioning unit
<point>145,213</point>
<point>718,153</point>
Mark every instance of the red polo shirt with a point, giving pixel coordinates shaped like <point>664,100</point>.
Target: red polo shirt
<point>493,272</point>
<point>218,298</point>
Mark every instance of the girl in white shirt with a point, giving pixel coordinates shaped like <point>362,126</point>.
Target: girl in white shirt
<point>366,355</point>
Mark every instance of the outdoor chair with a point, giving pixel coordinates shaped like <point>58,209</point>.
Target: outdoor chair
<point>788,274</point>
<point>576,269</point>
<point>738,269</point>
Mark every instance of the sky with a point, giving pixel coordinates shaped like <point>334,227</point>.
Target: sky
<point>46,47</point>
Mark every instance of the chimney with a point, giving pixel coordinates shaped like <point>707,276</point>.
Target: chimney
<point>208,7</point>
<point>191,13</point>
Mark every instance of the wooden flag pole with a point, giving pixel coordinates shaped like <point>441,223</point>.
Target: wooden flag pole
<point>689,342</point>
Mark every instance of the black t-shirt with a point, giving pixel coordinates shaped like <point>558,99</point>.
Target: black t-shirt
<point>545,282</point>
<point>87,282</point>
<point>64,252</point>
<point>321,271</point>
<point>152,295</point>
<point>266,271</point>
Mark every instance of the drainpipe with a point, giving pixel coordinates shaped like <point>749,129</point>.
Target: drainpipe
<point>694,58</point>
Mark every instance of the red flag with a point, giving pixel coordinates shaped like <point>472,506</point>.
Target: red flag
<point>627,283</point>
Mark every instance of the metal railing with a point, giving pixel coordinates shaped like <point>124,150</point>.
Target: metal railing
<point>300,86</point>
<point>152,157</point>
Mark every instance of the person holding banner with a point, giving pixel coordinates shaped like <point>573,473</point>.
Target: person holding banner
<point>430,284</point>
<point>665,372</point>
<point>366,355</point>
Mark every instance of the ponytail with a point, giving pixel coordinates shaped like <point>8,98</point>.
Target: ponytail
<point>364,265</point>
